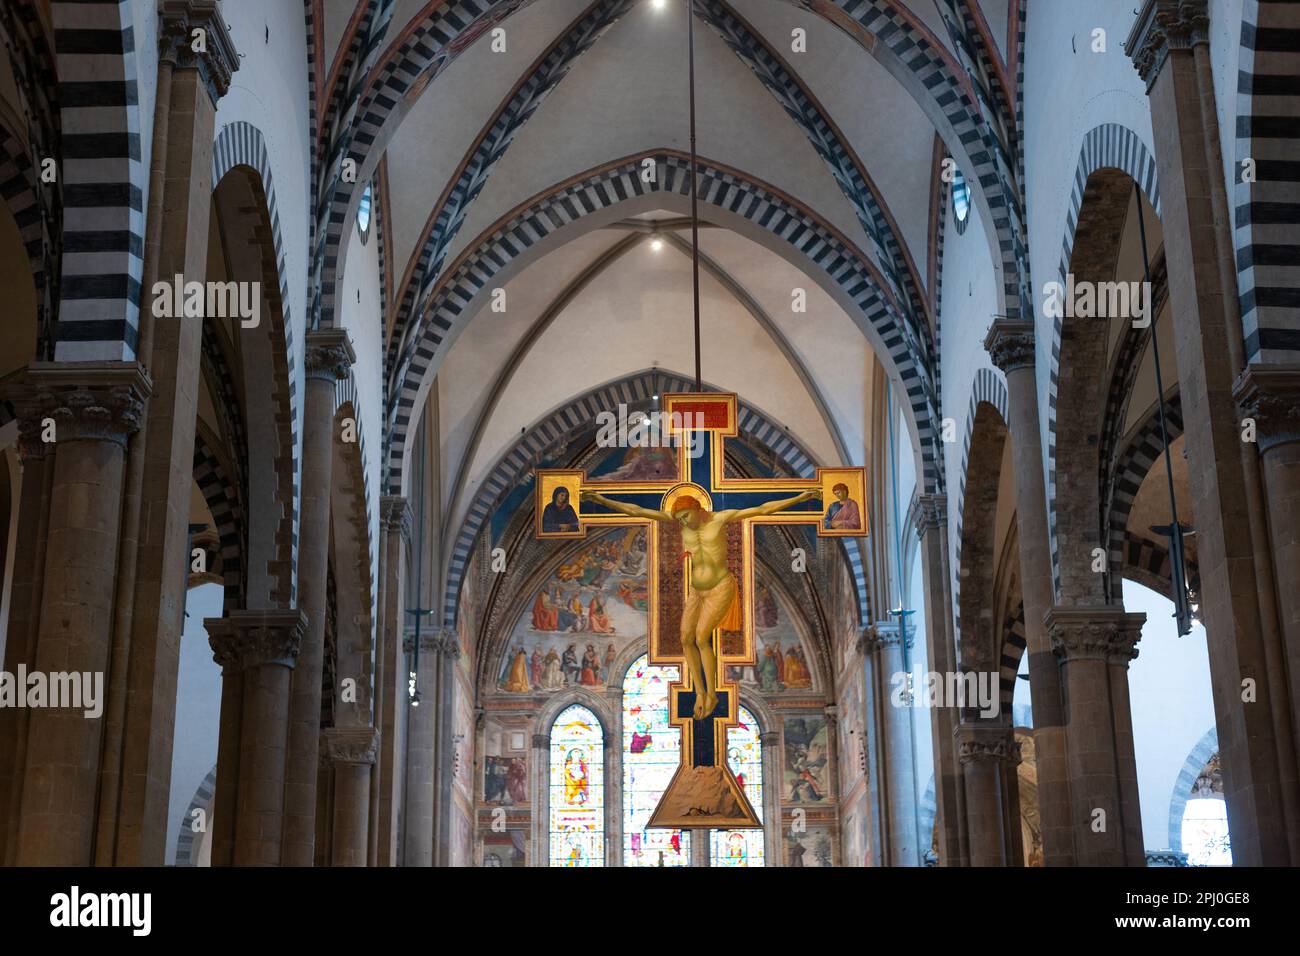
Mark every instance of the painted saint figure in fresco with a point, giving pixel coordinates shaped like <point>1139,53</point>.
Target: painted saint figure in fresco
<point>517,681</point>
<point>796,669</point>
<point>842,514</point>
<point>711,599</point>
<point>559,514</point>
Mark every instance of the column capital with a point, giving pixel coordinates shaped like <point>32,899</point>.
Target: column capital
<point>215,59</point>
<point>438,640</point>
<point>882,635</point>
<point>244,639</point>
<point>991,741</point>
<point>357,745</point>
<point>769,738</point>
<point>328,354</point>
<point>541,741</point>
<point>88,401</point>
<point>1102,632</point>
<point>1010,344</point>
<point>1270,394</point>
<point>1162,26</point>
<point>931,513</point>
<point>395,513</point>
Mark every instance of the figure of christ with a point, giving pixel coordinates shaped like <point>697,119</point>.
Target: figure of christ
<point>713,587</point>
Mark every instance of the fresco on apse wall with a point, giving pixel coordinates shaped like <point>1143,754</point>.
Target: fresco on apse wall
<point>508,849</point>
<point>783,658</point>
<point>462,742</point>
<point>578,622</point>
<point>462,831</point>
<point>814,846</point>
<point>505,762</point>
<point>855,845</point>
<point>806,760</point>
<point>852,738</point>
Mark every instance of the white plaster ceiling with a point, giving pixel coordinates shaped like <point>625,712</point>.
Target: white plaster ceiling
<point>636,314</point>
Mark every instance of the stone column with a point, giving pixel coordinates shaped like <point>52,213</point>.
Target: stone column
<point>445,747</point>
<point>1094,646</point>
<point>1169,46</point>
<point>390,683</point>
<point>950,820</point>
<point>154,549</point>
<point>418,833</point>
<point>985,749</point>
<point>350,752</point>
<point>773,836</point>
<point>257,651</point>
<point>884,642</point>
<point>328,359</point>
<point>1010,344</point>
<point>24,619</point>
<point>539,774</point>
<point>94,407</point>
<point>1270,395</point>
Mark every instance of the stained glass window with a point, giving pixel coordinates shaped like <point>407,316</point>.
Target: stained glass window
<point>651,750</point>
<point>745,758</point>
<point>577,789</point>
<point>1205,832</point>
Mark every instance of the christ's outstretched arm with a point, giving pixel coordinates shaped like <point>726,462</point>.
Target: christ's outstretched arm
<point>771,508</point>
<point>632,511</point>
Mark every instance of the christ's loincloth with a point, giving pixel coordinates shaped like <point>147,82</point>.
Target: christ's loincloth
<point>717,607</point>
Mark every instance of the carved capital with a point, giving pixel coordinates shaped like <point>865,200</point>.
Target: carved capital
<point>215,57</point>
<point>328,355</point>
<point>358,745</point>
<point>1010,344</point>
<point>1163,26</point>
<point>395,514</point>
<point>245,639</point>
<point>85,401</point>
<point>1104,633</point>
<point>770,738</point>
<point>430,641</point>
<point>931,514</point>
<point>883,635</point>
<point>978,741</point>
<point>1270,394</point>
<point>541,741</point>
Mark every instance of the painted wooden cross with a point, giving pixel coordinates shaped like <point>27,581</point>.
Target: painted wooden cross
<point>700,579</point>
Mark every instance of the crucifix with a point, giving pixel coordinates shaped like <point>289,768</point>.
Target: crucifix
<point>700,580</point>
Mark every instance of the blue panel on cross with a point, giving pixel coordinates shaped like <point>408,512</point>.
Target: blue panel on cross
<point>702,731</point>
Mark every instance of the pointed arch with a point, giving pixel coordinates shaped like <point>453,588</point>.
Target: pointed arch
<point>243,185</point>
<point>761,211</point>
<point>515,464</point>
<point>1109,157</point>
<point>388,82</point>
<point>990,391</point>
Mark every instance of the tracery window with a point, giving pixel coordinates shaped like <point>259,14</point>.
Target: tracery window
<point>577,789</point>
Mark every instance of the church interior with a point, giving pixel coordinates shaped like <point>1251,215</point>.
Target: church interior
<point>353,513</point>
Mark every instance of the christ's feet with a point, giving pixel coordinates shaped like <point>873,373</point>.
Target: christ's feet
<point>710,702</point>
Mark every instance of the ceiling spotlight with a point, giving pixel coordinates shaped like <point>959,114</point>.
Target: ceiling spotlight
<point>658,4</point>
<point>656,244</point>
